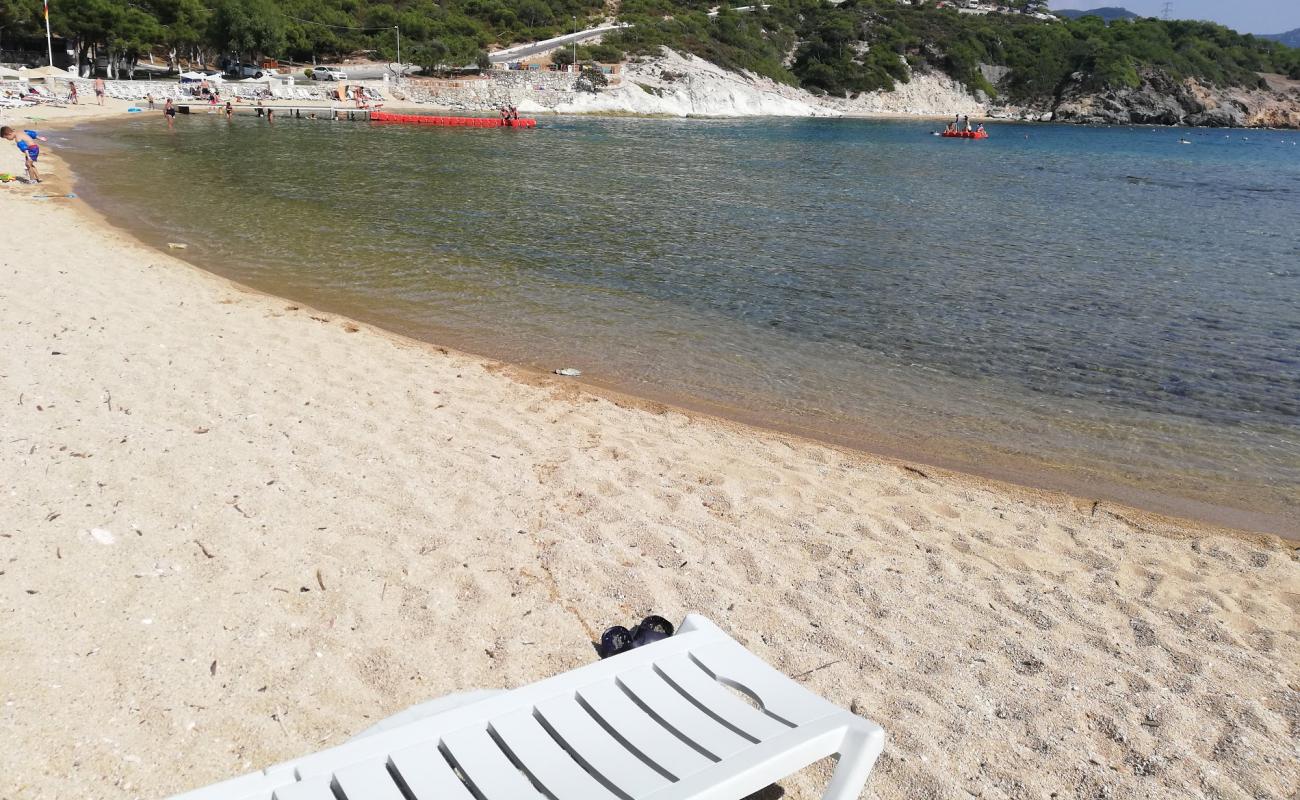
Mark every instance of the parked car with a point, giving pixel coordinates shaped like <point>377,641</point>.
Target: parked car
<point>328,74</point>
<point>251,71</point>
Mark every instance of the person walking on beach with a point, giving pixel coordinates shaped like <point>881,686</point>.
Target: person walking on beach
<point>169,112</point>
<point>99,90</point>
<point>72,92</point>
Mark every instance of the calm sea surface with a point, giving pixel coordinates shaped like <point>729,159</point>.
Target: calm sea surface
<point>1102,310</point>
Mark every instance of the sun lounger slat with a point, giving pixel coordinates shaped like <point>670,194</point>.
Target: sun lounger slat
<point>642,732</point>
<point>316,787</point>
<point>680,715</point>
<point>687,676</point>
<point>592,745</point>
<point>660,722</point>
<point>428,775</point>
<point>545,760</point>
<point>486,767</point>
<point>779,695</point>
<point>369,780</point>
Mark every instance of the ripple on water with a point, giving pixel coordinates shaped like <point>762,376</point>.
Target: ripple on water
<point>1096,302</point>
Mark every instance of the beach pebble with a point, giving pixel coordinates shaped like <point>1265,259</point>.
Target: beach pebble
<point>102,535</point>
<point>569,372</point>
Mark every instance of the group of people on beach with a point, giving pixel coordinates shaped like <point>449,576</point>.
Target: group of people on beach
<point>961,124</point>
<point>75,99</point>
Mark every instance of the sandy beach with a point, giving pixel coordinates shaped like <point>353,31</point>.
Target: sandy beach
<point>237,530</point>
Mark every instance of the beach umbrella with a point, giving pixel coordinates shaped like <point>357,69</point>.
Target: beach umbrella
<point>45,72</point>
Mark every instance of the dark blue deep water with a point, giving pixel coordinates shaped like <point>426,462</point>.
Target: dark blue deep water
<point>1103,310</point>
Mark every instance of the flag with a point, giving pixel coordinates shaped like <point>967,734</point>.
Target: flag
<point>49,42</point>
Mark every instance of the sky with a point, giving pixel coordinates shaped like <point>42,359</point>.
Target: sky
<point>1247,16</point>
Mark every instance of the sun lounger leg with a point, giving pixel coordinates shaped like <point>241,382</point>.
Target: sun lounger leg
<point>857,756</point>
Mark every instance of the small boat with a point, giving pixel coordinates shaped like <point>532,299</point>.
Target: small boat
<point>965,134</point>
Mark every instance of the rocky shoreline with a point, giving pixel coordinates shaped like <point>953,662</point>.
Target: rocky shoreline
<point>1159,100</point>
<point>679,85</point>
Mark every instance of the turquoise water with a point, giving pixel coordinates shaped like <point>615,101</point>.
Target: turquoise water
<point>1102,310</point>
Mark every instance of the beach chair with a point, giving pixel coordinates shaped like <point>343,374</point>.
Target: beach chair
<point>692,716</point>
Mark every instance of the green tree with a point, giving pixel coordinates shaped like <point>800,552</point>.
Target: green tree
<point>248,28</point>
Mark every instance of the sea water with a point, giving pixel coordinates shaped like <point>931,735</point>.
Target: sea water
<point>1107,311</point>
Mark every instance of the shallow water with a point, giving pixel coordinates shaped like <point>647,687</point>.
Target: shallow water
<point>1101,310</point>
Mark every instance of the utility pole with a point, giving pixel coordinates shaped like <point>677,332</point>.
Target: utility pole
<point>1167,9</point>
<point>575,43</point>
<point>398,28</point>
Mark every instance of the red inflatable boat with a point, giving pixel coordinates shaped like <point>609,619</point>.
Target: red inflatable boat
<point>965,134</point>
<point>459,122</point>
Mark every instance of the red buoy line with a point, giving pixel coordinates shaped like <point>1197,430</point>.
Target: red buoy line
<point>453,122</point>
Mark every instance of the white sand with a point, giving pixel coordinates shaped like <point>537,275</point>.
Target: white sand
<point>235,530</point>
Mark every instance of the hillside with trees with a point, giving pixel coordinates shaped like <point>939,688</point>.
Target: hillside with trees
<point>1107,13</point>
<point>1290,38</point>
<point>858,46</point>
<point>863,45</point>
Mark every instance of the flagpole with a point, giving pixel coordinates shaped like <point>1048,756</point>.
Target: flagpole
<point>49,41</point>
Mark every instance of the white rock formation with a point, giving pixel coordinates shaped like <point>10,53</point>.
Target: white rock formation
<point>683,86</point>
<point>926,94</point>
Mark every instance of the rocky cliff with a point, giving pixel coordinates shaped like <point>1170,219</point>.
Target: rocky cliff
<point>1160,100</point>
<point>672,84</point>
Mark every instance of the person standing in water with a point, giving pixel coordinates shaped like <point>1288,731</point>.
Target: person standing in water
<point>230,111</point>
<point>169,113</point>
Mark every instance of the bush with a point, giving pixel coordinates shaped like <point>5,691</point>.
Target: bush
<point>591,80</point>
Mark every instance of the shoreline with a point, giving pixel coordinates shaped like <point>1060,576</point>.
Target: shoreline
<point>1058,484</point>
<point>240,530</point>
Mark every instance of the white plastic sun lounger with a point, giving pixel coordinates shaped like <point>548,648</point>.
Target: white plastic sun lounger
<point>658,722</point>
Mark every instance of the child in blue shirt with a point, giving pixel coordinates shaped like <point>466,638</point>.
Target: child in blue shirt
<point>29,147</point>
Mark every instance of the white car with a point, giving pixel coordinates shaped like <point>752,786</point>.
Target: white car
<point>328,74</point>
<point>253,71</point>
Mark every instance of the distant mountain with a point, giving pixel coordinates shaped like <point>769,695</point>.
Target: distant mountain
<point>1290,38</point>
<point>1109,13</point>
